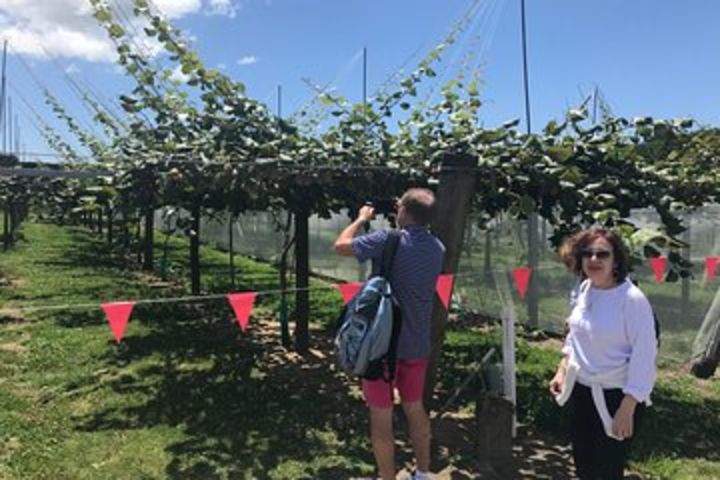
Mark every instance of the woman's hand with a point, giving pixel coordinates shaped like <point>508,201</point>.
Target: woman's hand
<point>622,425</point>
<point>558,380</point>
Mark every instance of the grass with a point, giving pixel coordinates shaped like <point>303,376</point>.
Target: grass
<point>677,438</point>
<point>187,395</point>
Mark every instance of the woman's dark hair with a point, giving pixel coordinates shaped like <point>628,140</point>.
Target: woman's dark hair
<point>572,248</point>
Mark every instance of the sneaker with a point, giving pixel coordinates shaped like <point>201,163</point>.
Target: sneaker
<point>417,475</point>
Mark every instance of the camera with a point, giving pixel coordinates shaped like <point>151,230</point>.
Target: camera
<point>383,206</point>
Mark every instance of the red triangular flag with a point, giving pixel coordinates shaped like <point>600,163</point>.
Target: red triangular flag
<point>118,314</point>
<point>522,278</point>
<point>658,265</point>
<point>348,290</point>
<point>443,287</point>
<point>242,305</point>
<point>711,264</point>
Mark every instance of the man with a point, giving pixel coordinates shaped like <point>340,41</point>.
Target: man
<point>414,273</point>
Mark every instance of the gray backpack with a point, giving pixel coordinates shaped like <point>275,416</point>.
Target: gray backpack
<point>368,327</point>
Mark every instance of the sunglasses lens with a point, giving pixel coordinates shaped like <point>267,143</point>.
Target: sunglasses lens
<point>599,254</point>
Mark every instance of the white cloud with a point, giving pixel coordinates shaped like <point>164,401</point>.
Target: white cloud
<point>66,28</point>
<point>248,60</point>
<point>178,8</point>
<point>223,7</point>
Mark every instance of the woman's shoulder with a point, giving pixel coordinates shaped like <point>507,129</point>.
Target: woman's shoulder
<point>634,293</point>
<point>632,289</point>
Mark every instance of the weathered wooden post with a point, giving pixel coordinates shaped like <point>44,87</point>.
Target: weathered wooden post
<point>195,248</point>
<point>109,217</point>
<point>493,424</point>
<point>148,257</point>
<point>453,204</point>
<point>685,289</point>
<point>302,279</point>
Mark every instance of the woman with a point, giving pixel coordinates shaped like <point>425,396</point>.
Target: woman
<point>608,368</point>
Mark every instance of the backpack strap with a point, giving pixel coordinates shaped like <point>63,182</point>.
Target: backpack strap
<point>389,250</point>
<point>391,356</point>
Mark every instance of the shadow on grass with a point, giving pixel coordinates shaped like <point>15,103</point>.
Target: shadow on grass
<point>244,405</point>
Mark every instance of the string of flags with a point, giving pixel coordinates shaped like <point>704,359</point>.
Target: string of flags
<point>118,313</point>
<point>659,266</point>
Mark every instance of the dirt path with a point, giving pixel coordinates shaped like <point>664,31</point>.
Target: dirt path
<point>455,456</point>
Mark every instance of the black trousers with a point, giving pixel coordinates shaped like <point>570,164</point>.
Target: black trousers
<point>597,456</point>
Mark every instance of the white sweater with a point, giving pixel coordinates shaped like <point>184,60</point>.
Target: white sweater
<point>611,343</point>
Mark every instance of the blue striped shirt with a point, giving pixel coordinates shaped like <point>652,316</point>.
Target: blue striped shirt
<point>415,269</point>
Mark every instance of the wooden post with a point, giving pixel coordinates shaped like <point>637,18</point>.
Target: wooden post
<point>195,249</point>
<point>302,280</point>
<point>231,248</point>
<point>6,229</point>
<point>109,216</point>
<point>453,205</point>
<point>706,349</point>
<point>13,220</point>
<point>533,292</point>
<point>685,289</point>
<point>288,242</point>
<point>493,424</point>
<point>138,237</point>
<point>487,263</point>
<point>148,259</point>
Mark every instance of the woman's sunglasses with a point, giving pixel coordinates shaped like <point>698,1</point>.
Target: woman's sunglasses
<point>599,254</point>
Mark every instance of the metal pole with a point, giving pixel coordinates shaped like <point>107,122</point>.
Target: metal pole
<point>279,101</point>
<point>2,96</point>
<point>8,121</point>
<point>595,104</point>
<point>364,99</point>
<point>532,221</point>
<point>525,67</point>
<point>17,135</point>
<point>509,319</point>
<point>364,78</point>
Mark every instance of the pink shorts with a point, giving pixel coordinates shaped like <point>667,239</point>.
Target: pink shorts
<point>409,381</point>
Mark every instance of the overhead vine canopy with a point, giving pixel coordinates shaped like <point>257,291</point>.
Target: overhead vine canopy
<point>205,142</point>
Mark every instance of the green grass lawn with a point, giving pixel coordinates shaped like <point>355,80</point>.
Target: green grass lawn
<point>187,395</point>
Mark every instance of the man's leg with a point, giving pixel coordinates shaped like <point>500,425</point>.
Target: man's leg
<point>410,383</point>
<point>379,398</point>
<point>419,426</point>
<point>383,441</point>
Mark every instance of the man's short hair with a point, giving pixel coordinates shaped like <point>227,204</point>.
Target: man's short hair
<point>419,203</point>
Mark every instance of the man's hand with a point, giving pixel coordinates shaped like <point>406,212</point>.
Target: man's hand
<point>343,244</point>
<point>366,213</point>
<point>622,424</point>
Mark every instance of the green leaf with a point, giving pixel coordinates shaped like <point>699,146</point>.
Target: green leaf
<point>103,16</point>
<point>116,31</point>
<point>527,204</point>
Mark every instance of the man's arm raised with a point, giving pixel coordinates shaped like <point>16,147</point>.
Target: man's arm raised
<point>343,244</point>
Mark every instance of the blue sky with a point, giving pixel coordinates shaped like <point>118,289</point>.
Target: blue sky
<point>648,57</point>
